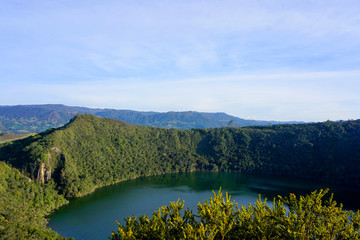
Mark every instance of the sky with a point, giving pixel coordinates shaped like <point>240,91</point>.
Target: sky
<point>263,60</point>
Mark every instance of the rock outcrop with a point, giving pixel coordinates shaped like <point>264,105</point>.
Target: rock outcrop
<point>41,173</point>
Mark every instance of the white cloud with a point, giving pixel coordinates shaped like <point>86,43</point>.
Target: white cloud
<point>291,60</point>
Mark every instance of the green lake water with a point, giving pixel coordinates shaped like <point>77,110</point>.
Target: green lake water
<point>94,216</point>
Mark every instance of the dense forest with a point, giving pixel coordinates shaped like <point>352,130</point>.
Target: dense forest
<point>90,152</point>
<point>37,118</point>
<point>24,205</point>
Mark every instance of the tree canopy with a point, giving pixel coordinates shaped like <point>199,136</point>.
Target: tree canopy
<point>305,217</point>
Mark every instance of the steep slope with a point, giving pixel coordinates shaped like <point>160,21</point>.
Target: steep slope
<point>24,205</point>
<point>90,152</point>
<point>38,118</point>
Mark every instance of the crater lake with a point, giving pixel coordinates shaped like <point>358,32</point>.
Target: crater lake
<point>94,216</point>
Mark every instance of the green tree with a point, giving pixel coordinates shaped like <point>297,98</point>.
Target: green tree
<point>307,217</point>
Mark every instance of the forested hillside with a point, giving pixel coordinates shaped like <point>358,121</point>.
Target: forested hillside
<point>37,118</point>
<point>90,152</point>
<point>24,205</point>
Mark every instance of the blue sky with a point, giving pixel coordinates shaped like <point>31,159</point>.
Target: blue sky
<point>266,60</point>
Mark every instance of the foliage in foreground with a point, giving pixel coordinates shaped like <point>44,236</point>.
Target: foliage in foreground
<point>306,217</point>
<point>24,205</point>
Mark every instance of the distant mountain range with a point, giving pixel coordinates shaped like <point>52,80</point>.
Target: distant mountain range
<point>37,118</point>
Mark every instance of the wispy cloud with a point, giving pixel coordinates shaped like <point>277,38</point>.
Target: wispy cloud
<point>302,96</point>
<point>294,60</point>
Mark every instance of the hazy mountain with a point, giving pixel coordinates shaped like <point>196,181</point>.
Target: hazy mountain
<point>37,118</point>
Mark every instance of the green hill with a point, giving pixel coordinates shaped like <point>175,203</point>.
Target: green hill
<point>90,152</point>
